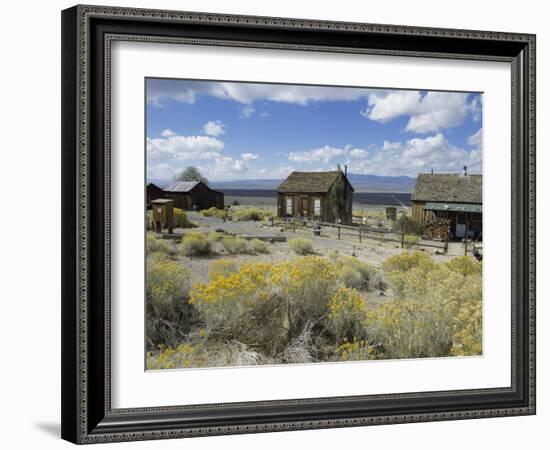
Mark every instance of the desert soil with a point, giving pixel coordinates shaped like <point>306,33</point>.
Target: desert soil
<point>371,251</point>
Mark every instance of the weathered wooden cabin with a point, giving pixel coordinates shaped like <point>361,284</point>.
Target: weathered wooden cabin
<point>193,195</point>
<point>456,197</point>
<point>323,196</point>
<point>153,193</point>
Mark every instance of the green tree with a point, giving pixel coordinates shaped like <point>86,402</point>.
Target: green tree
<point>191,173</point>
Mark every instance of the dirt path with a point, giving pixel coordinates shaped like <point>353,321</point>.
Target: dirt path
<point>372,251</point>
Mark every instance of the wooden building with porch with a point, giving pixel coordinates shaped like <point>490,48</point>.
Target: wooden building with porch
<point>193,195</point>
<point>455,197</point>
<point>322,196</point>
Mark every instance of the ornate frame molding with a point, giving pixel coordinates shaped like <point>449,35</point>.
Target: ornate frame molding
<point>80,423</point>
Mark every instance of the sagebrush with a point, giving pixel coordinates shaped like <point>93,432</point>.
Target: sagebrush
<point>314,308</point>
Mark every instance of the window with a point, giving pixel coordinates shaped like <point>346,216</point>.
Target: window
<point>317,207</point>
<point>289,206</point>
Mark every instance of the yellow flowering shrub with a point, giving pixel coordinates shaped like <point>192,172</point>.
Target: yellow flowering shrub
<point>214,355</point>
<point>221,267</point>
<point>301,246</point>
<point>437,311</point>
<point>234,245</point>
<point>214,236</point>
<point>167,285</point>
<point>408,260</point>
<point>245,213</point>
<point>184,355</point>
<point>410,329</point>
<point>358,274</point>
<point>465,265</point>
<point>312,308</point>
<point>355,350</point>
<point>181,220</point>
<point>467,330</point>
<point>214,212</point>
<point>227,302</point>
<point>396,270</point>
<point>347,311</point>
<point>266,304</point>
<point>154,244</point>
<point>259,246</point>
<point>306,284</point>
<point>195,243</point>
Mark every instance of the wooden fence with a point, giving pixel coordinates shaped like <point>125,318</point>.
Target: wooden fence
<point>365,232</point>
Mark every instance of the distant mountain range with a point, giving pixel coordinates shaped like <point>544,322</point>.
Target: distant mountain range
<point>361,183</point>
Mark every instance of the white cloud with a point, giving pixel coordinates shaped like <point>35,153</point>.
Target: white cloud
<point>383,107</point>
<point>224,168</point>
<point>229,165</point>
<point>326,154</point>
<point>391,145</point>
<point>476,139</point>
<point>249,156</point>
<point>162,92</point>
<point>214,128</point>
<point>166,156</point>
<point>161,171</point>
<point>247,111</point>
<point>428,112</point>
<point>393,158</point>
<point>418,155</point>
<point>167,133</point>
<point>358,153</point>
<point>431,112</point>
<point>476,108</point>
<point>248,93</point>
<point>323,154</point>
<point>183,148</point>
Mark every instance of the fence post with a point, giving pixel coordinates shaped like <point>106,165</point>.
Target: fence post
<point>465,246</point>
<point>359,234</point>
<point>338,232</point>
<point>446,246</point>
<point>402,239</point>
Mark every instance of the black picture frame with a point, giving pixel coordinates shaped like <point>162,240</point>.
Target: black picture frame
<point>87,416</point>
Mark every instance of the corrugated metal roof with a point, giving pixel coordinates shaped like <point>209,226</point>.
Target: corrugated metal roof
<point>448,187</point>
<point>458,207</point>
<point>182,186</point>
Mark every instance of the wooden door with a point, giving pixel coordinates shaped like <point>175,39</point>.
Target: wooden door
<point>305,207</point>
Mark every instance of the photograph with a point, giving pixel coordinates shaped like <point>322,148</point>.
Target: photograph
<point>301,224</point>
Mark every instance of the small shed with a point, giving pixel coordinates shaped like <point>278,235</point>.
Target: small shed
<point>193,195</point>
<point>163,214</point>
<point>323,196</point>
<point>153,192</point>
<point>455,197</point>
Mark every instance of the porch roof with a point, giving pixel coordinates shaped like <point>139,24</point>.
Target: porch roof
<point>456,207</point>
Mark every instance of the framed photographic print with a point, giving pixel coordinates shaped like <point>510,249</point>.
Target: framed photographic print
<point>281,224</point>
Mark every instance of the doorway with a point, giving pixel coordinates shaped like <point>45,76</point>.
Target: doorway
<point>305,207</point>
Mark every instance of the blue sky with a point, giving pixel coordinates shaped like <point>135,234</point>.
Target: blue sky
<point>247,131</point>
